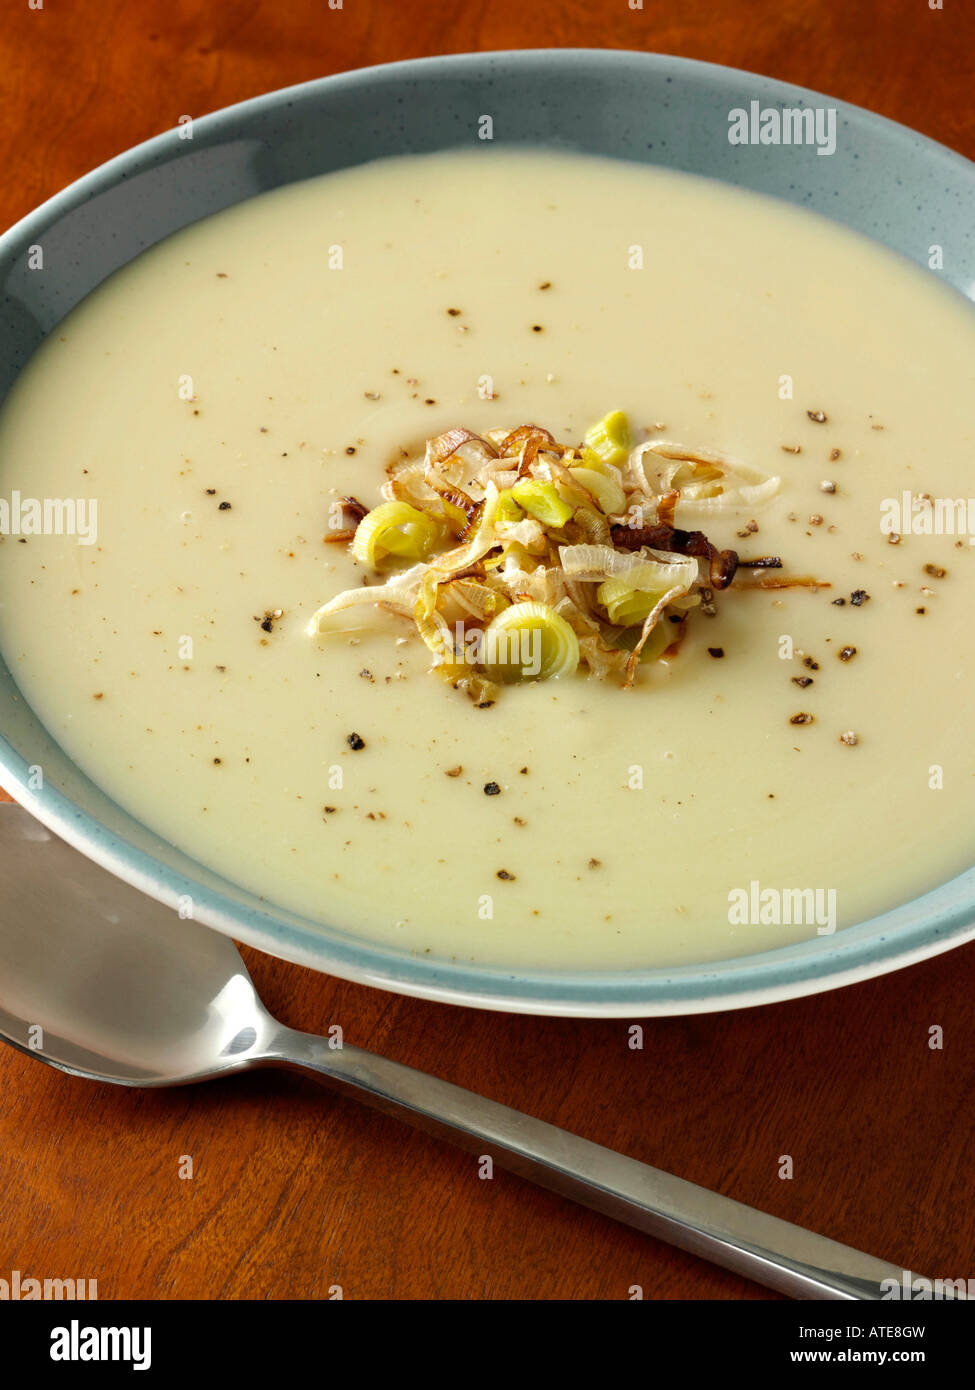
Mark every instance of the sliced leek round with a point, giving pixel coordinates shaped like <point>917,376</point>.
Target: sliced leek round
<point>393,529</point>
<point>609,438</point>
<point>529,641</point>
<point>626,605</point>
<point>606,490</point>
<point>542,501</point>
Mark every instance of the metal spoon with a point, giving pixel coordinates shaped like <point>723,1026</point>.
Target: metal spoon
<point>104,983</point>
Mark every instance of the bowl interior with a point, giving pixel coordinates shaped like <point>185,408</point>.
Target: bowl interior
<point>881,179</point>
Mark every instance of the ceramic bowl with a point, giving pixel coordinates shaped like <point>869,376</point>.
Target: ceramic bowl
<point>882,179</point>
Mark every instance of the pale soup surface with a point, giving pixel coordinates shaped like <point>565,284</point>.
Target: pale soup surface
<point>220,393</point>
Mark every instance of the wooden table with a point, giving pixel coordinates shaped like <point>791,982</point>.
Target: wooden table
<point>295,1192</point>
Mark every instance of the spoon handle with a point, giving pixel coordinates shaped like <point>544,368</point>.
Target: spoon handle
<point>772,1252</point>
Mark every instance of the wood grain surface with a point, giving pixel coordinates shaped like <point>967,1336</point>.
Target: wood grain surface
<point>296,1192</point>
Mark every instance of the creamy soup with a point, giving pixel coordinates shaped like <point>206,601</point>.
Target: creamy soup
<point>216,398</point>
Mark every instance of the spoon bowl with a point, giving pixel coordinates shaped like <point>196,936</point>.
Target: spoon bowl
<point>110,984</point>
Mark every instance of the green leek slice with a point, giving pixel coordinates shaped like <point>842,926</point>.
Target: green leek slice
<point>609,439</point>
<point>393,528</point>
<point>529,641</point>
<point>508,508</point>
<point>542,501</point>
<point>627,605</point>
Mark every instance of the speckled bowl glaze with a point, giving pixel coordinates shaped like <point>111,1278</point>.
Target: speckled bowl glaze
<point>883,180</point>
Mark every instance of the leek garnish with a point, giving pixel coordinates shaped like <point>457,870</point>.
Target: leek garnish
<point>529,641</point>
<point>535,559</point>
<point>625,605</point>
<point>394,528</point>
<point>604,488</point>
<point>609,439</point>
<point>508,508</point>
<point>541,501</point>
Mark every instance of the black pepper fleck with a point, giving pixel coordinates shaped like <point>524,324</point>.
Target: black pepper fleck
<point>355,742</point>
<point>491,789</point>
